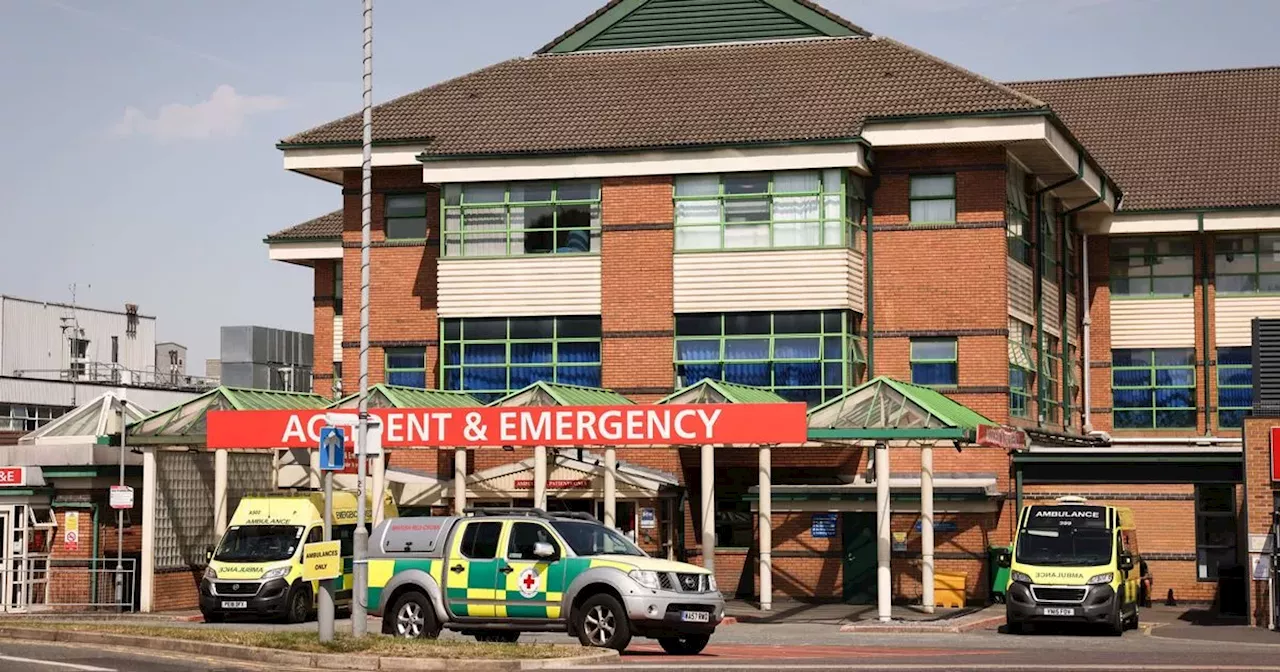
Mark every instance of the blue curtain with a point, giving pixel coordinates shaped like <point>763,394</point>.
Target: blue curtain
<point>1175,377</point>
<point>1227,376</point>
<point>1131,378</point>
<point>408,378</point>
<point>482,378</point>
<point>833,374</point>
<point>587,376</point>
<point>797,374</point>
<point>1132,398</point>
<point>746,348</point>
<point>523,376</point>
<point>452,354</point>
<point>797,348</point>
<point>747,374</point>
<point>485,353</point>
<point>1178,397</point>
<point>700,349</point>
<point>692,373</point>
<point>1176,419</point>
<point>1235,396</point>
<point>1131,419</point>
<point>530,353</point>
<point>452,379</point>
<point>578,352</point>
<point>934,374</point>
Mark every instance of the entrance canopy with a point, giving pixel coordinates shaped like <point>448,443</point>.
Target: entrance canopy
<point>185,424</point>
<point>884,409</point>
<point>92,422</point>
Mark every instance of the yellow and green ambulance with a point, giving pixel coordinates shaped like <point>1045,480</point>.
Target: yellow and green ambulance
<point>496,573</point>
<point>256,569</point>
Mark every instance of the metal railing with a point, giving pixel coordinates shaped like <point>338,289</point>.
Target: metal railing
<point>40,584</point>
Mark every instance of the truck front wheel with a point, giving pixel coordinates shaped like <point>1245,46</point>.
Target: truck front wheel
<point>602,622</point>
<point>689,645</point>
<point>411,617</point>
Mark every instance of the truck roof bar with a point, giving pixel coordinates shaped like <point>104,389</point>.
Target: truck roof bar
<point>528,511</point>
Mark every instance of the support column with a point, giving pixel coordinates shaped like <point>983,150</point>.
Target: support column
<point>379,487</point>
<point>926,525</point>
<point>540,477</point>
<point>150,492</point>
<point>610,487</point>
<point>709,507</point>
<point>221,465</point>
<point>766,528</point>
<point>459,480</point>
<point>884,547</point>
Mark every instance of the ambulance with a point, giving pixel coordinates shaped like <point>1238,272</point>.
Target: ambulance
<point>1074,562</point>
<point>256,568</point>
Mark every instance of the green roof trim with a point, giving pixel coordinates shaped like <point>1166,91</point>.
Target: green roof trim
<point>184,423</point>
<point>396,396</point>
<point>732,392</point>
<point>634,24</point>
<point>887,409</point>
<point>567,395</point>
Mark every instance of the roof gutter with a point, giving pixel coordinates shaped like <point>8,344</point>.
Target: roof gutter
<point>426,157</point>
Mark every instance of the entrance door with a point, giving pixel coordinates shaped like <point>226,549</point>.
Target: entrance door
<point>858,531</point>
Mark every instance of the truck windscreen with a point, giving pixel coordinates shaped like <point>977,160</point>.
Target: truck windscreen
<point>588,539</point>
<point>1065,536</point>
<point>259,543</point>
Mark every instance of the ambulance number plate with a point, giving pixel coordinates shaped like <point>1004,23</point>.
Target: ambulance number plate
<point>1059,611</point>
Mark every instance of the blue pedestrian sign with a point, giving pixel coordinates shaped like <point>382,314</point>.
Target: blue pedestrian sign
<point>333,444</point>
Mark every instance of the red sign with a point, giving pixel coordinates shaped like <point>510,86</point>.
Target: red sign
<point>565,426</point>
<point>13,476</point>
<point>999,436</point>
<point>578,484</point>
<point>1275,445</point>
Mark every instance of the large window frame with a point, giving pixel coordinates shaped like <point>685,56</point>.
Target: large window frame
<point>1247,264</point>
<point>927,357</point>
<point>1052,372</point>
<point>564,350</point>
<point>1050,247</point>
<point>502,227</point>
<point>1017,216</point>
<point>404,216</point>
<point>720,345</point>
<point>1167,267</point>
<point>1235,385</point>
<point>28,417</point>
<point>1022,368</point>
<point>1135,371</point>
<point>1217,537</point>
<point>406,367</point>
<point>920,193</point>
<point>709,207</point>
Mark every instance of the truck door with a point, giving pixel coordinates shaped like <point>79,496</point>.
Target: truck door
<point>534,586</point>
<point>471,586</point>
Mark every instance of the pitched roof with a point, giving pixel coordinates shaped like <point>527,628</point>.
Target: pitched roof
<point>324,227</point>
<point>723,94</point>
<point>543,393</point>
<point>1180,139</point>
<point>397,396</point>
<point>887,408</point>
<point>708,390</point>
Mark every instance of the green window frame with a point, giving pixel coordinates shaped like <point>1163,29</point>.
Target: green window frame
<point>405,216</point>
<point>809,356</point>
<point>1017,217</point>
<point>1052,368</point>
<point>1051,246</point>
<point>1073,259</point>
<point>1022,368</point>
<point>1235,385</point>
<point>768,210</point>
<point>1247,264</point>
<point>931,198</point>
<point>1152,267</point>
<point>511,219</point>
<point>1153,388</point>
<point>935,362</point>
<point>492,357</point>
<point>406,367</point>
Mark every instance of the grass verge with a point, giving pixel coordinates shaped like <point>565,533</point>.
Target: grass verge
<point>307,642</point>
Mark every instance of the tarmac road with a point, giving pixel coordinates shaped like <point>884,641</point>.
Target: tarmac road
<point>42,657</point>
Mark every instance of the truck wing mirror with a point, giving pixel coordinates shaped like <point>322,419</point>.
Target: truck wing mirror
<point>1126,561</point>
<point>544,551</point>
<point>208,554</point>
<point>1004,559</point>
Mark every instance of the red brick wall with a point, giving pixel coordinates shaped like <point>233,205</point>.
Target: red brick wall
<point>322,366</point>
<point>1099,279</point>
<point>1259,499</point>
<point>177,589</point>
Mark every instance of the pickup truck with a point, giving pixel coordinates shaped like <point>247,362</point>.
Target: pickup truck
<point>495,573</point>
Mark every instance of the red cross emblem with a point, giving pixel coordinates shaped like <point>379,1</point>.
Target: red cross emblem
<point>528,583</point>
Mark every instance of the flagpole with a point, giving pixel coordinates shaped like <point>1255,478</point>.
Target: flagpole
<point>360,570</point>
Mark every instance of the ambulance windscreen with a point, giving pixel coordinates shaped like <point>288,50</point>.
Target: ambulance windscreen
<point>259,543</point>
<point>1065,536</point>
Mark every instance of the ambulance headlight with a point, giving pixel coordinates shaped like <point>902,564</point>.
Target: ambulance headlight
<point>1019,577</point>
<point>277,573</point>
<point>210,574</point>
<point>711,584</point>
<point>645,578</point>
<point>1101,579</point>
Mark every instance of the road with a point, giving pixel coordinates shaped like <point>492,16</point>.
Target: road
<point>24,657</point>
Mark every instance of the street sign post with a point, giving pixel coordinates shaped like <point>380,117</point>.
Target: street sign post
<point>333,450</point>
<point>121,497</point>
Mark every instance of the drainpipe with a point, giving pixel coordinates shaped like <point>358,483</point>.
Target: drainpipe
<point>93,575</point>
<point>1064,331</point>
<point>1085,320</point>
<point>1038,260</point>
<point>1205,260</point>
<point>872,184</point>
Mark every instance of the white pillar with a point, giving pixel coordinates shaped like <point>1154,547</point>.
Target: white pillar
<point>221,465</point>
<point>150,493</point>
<point>766,528</point>
<point>379,487</point>
<point>459,480</point>
<point>926,525</point>
<point>709,507</point>
<point>540,477</point>
<point>610,487</point>
<point>884,547</point>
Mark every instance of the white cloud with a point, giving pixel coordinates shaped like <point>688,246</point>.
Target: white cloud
<point>223,114</point>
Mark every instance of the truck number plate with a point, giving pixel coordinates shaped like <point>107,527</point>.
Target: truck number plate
<point>695,616</point>
<point>235,605</point>
<point>1059,611</point>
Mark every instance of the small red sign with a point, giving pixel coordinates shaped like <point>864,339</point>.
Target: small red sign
<point>1275,445</point>
<point>561,426</point>
<point>1000,436</point>
<point>576,484</point>
<point>13,476</point>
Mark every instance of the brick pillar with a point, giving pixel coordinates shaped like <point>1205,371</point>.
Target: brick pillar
<point>637,304</point>
<point>324,301</point>
<point>1206,342</point>
<point>1259,502</point>
<point>1098,279</point>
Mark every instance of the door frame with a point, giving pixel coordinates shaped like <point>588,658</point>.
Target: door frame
<point>870,587</point>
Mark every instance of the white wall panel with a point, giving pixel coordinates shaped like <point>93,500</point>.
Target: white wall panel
<point>515,286</point>
<point>768,280</point>
<point>1233,317</point>
<point>1021,291</point>
<point>1153,323</point>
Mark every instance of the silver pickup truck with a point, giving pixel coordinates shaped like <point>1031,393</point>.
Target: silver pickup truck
<point>495,573</point>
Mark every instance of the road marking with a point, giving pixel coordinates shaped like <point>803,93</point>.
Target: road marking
<point>50,663</point>
<point>940,666</point>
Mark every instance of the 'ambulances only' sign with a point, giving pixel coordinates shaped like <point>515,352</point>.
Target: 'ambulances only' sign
<point>563,426</point>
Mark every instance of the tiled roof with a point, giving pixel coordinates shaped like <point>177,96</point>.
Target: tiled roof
<point>742,93</point>
<point>1178,140</point>
<point>323,227</point>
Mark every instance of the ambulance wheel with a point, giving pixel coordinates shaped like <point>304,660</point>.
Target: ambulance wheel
<point>602,622</point>
<point>1116,624</point>
<point>498,637</point>
<point>298,606</point>
<point>412,617</point>
<point>689,645</point>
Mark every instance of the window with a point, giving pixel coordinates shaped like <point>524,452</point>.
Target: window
<point>1143,267</point>
<point>1017,218</point>
<point>1022,368</point>
<point>498,219</point>
<point>1153,389</point>
<point>480,540</point>
<point>27,418</point>
<point>491,357</point>
<point>933,199</point>
<point>315,535</point>
<point>807,356</point>
<point>1215,530</point>
<point>1248,264</point>
<point>407,367</point>
<point>523,537</point>
<point>934,361</point>
<point>1051,246</point>
<point>405,216</point>
<point>115,349</point>
<point>337,380</point>
<point>337,289</point>
<point>795,208</point>
<point>1235,385</point>
<point>79,351</point>
<point>1052,371</point>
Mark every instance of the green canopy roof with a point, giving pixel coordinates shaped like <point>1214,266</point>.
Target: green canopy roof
<point>395,396</point>
<point>885,409</point>
<point>709,391</point>
<point>555,394</point>
<point>184,424</point>
<point>92,422</point>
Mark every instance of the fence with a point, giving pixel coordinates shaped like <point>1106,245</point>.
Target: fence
<point>83,584</point>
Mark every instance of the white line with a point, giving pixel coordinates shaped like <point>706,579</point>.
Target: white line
<point>938,666</point>
<point>69,666</point>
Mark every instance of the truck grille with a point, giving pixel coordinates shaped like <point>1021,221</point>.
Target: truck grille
<point>691,583</point>
<point>1057,594</point>
<point>665,581</point>
<point>227,588</point>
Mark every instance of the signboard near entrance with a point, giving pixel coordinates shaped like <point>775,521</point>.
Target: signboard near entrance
<point>71,530</point>
<point>321,560</point>
<point>1275,445</point>
<point>13,476</point>
<point>121,497</point>
<point>823,526</point>
<point>1000,436</point>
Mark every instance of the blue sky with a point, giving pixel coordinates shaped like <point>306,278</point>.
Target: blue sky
<point>140,151</point>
